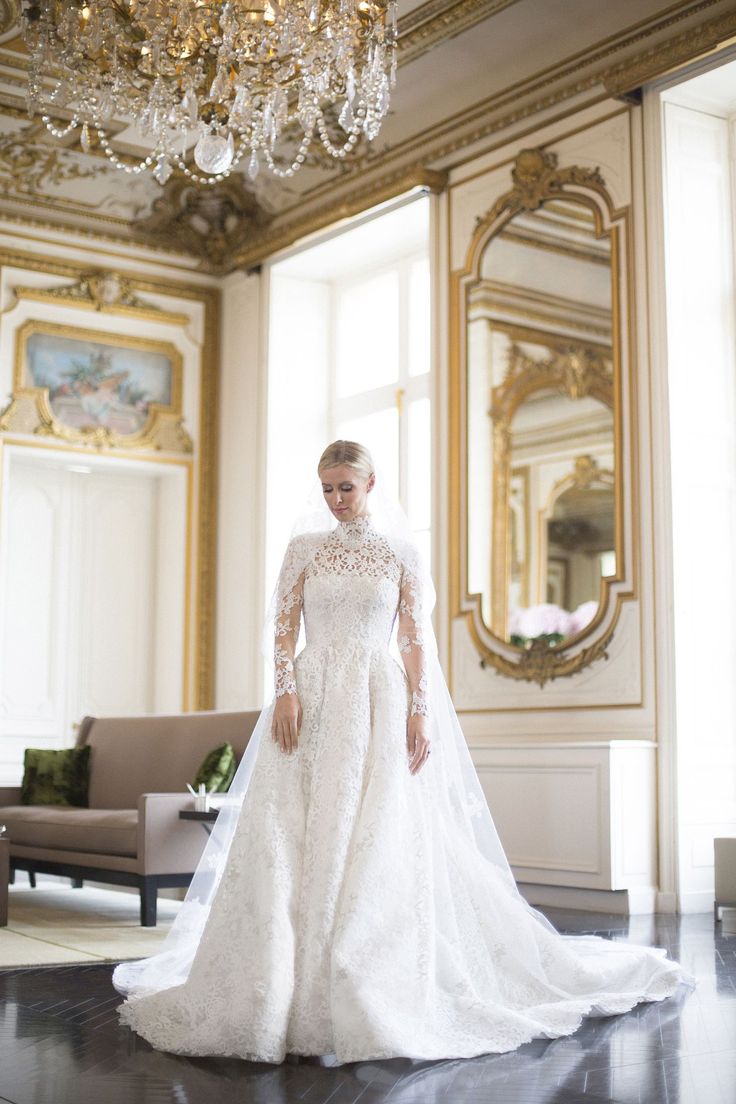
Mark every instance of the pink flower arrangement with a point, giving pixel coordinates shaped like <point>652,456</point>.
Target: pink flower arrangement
<point>548,619</point>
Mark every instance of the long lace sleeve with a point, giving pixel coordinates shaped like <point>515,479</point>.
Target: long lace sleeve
<point>410,637</point>
<point>289,602</point>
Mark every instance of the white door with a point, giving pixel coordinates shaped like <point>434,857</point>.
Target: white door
<point>86,553</point>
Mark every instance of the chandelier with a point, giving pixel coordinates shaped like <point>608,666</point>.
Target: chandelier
<point>240,79</point>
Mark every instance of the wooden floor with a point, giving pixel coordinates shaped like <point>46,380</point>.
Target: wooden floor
<point>61,1043</point>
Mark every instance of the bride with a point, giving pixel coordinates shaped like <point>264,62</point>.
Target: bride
<point>354,898</point>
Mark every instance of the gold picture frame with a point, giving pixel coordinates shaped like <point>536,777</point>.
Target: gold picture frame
<point>82,386</point>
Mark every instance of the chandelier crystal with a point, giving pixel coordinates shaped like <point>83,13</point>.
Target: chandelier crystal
<point>240,79</point>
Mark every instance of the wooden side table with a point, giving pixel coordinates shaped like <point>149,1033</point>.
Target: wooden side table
<point>4,879</point>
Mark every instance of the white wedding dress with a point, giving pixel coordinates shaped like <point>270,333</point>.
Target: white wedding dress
<point>355,915</point>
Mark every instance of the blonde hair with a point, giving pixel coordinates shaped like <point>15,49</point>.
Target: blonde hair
<point>349,453</point>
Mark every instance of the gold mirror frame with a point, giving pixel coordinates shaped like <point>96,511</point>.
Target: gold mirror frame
<point>536,179</point>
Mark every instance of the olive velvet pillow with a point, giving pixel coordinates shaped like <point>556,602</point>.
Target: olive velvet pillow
<point>56,776</point>
<point>217,769</point>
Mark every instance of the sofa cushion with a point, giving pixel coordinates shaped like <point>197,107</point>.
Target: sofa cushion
<point>217,769</point>
<point>156,753</point>
<point>104,831</point>
<point>55,776</point>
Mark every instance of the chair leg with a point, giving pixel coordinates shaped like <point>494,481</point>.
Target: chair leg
<point>77,883</point>
<point>149,891</point>
<point>32,878</point>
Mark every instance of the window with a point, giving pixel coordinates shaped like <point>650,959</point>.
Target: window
<point>380,379</point>
<point>349,355</point>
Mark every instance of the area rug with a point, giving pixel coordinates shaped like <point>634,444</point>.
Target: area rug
<point>54,924</point>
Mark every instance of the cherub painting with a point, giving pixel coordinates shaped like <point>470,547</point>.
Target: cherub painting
<point>91,384</point>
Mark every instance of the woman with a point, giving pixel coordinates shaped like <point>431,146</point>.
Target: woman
<point>359,903</point>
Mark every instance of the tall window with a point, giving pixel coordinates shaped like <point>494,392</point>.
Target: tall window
<point>379,390</point>
<point>349,355</point>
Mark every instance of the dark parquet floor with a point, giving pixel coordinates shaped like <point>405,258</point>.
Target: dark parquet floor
<point>61,1043</point>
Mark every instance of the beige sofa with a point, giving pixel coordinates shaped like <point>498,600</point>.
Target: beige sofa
<point>131,833</point>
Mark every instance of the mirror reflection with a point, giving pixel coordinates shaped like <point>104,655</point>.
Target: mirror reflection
<point>541,472</point>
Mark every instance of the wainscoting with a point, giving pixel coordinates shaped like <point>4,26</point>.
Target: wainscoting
<point>577,820</point>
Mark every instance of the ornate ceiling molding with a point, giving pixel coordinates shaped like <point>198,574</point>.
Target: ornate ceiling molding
<point>236,231</point>
<point>212,224</point>
<point>28,165</point>
<point>273,238</point>
<point>101,290</point>
<point>679,50</point>
<point>587,71</point>
<point>9,14</point>
<point>437,20</point>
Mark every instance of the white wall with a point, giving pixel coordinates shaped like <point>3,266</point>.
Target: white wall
<point>701,380</point>
<point>241,502</point>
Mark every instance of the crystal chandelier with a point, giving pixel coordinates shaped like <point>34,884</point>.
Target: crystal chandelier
<point>244,78</point>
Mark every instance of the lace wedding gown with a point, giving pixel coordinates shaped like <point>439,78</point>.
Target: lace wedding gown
<point>354,915</point>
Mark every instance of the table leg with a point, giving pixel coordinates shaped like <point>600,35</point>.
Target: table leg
<point>4,879</point>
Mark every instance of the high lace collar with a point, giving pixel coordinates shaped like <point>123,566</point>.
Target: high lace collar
<point>353,531</point>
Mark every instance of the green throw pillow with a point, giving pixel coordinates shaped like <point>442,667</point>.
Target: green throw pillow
<point>56,776</point>
<point>217,769</point>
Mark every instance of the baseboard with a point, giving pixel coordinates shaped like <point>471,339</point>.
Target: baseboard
<point>666,902</point>
<point>697,901</point>
<point>588,900</point>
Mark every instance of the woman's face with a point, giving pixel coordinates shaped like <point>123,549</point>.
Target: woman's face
<point>346,491</point>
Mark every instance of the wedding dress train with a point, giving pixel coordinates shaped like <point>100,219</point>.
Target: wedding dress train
<point>355,915</point>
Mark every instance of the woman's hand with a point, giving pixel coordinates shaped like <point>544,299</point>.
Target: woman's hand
<point>286,721</point>
<point>417,742</point>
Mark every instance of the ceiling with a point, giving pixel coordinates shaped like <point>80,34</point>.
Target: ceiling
<point>467,68</point>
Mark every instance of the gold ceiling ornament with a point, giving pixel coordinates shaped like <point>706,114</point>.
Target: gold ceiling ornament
<point>212,225</point>
<point>28,166</point>
<point>9,14</point>
<point>226,78</point>
<point>99,289</point>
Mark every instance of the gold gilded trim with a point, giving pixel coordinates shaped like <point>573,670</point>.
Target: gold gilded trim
<point>630,75</point>
<point>437,21</point>
<point>9,14</point>
<point>102,290</point>
<point>201,673</point>
<point>536,178</point>
<point>163,431</point>
<point>539,663</point>
<point>281,236</point>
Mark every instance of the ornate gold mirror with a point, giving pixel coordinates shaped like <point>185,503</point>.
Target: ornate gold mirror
<point>537,380</point>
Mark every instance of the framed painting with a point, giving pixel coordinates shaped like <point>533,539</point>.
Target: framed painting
<point>99,388</point>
